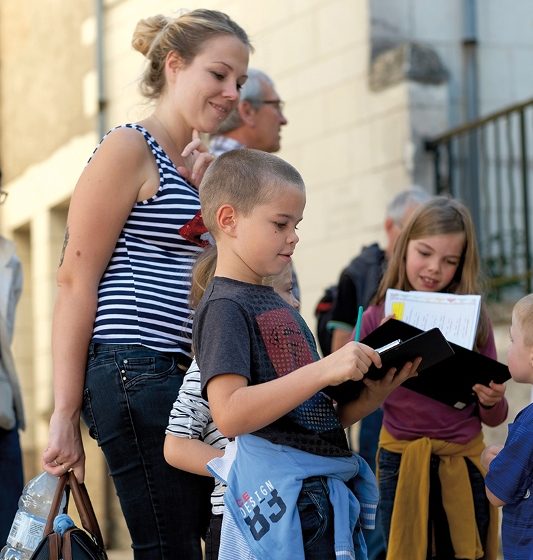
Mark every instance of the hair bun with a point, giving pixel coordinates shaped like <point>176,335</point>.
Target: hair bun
<point>146,31</point>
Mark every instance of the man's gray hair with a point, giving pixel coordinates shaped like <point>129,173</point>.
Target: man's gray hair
<point>404,200</point>
<point>252,91</point>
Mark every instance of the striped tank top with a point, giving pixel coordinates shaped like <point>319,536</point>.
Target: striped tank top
<point>143,293</point>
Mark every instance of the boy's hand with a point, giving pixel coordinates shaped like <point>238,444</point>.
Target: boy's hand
<point>489,453</point>
<point>350,362</point>
<point>491,395</point>
<point>375,392</point>
<point>378,390</point>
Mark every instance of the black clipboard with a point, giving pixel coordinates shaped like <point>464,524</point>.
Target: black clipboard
<point>449,381</point>
<point>430,345</point>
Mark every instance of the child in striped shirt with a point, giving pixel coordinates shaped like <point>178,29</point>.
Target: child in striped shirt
<point>192,439</point>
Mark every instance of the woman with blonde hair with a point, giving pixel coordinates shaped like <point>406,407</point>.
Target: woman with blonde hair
<point>122,323</point>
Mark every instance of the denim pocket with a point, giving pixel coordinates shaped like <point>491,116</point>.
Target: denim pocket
<point>144,365</point>
<point>313,507</point>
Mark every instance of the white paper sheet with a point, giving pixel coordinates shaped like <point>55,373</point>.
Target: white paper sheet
<point>457,316</point>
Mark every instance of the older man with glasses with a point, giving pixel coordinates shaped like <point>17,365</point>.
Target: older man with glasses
<point>256,121</point>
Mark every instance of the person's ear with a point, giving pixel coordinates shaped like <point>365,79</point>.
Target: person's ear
<point>227,219</point>
<point>173,63</point>
<point>247,112</point>
<point>391,231</point>
<point>389,225</point>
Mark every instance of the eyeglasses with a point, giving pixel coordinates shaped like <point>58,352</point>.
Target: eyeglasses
<point>277,103</point>
<point>3,196</point>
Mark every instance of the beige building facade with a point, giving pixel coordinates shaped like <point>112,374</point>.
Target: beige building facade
<point>68,74</point>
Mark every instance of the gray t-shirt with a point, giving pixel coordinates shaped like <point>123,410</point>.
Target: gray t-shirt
<point>250,330</point>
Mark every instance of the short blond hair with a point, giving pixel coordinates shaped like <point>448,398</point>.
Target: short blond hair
<point>523,311</point>
<point>244,179</point>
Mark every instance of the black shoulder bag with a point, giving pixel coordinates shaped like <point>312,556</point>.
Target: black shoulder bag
<point>75,543</point>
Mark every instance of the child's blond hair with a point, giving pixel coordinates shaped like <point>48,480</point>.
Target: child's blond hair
<point>523,311</point>
<point>243,179</point>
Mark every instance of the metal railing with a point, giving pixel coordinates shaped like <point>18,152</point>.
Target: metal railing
<point>488,164</point>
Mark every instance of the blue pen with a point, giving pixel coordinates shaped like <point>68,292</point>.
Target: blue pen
<point>358,324</point>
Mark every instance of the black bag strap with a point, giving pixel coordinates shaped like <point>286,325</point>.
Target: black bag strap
<point>83,505</point>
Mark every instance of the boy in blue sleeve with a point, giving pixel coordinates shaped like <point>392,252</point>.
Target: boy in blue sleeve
<point>510,478</point>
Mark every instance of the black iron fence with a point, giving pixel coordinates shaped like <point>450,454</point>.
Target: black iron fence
<point>488,164</point>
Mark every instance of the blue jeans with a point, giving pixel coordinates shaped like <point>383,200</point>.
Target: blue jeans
<point>128,395</point>
<point>389,466</point>
<point>370,426</point>
<point>212,539</point>
<point>316,518</point>
<point>11,479</point>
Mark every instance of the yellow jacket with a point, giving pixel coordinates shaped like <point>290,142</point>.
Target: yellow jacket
<point>408,532</point>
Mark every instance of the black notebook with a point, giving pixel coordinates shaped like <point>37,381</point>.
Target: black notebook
<point>448,379</point>
<point>395,351</point>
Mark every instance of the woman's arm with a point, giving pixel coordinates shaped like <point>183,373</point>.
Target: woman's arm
<point>102,200</point>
